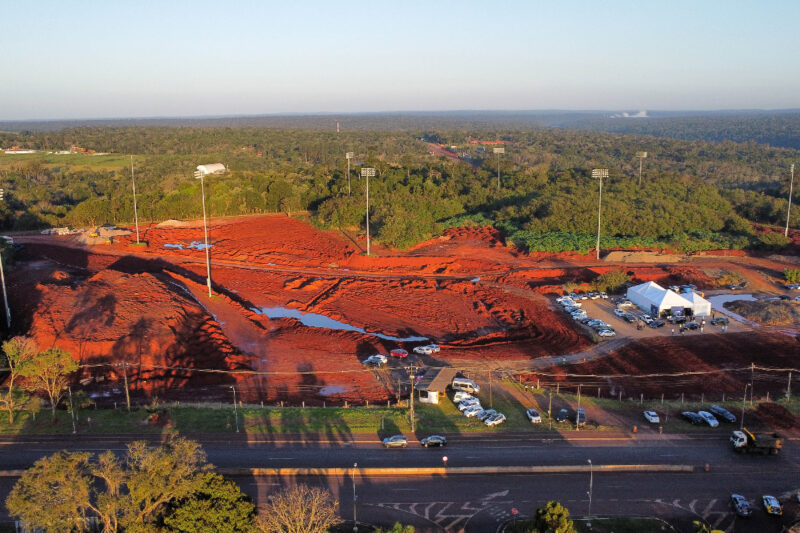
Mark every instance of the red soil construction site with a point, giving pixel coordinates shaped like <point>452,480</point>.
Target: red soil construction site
<point>144,310</point>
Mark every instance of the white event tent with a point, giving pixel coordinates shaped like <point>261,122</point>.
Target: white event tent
<point>655,299</point>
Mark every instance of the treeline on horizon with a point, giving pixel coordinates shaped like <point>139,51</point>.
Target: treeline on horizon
<point>694,195</point>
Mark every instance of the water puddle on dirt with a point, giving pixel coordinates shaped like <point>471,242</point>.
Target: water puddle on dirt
<point>333,389</point>
<point>315,320</point>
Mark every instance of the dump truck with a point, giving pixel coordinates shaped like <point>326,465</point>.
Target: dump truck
<point>745,441</point>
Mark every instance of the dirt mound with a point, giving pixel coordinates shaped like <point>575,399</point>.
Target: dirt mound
<point>619,256</point>
<point>773,415</point>
<point>767,312</point>
<point>172,223</point>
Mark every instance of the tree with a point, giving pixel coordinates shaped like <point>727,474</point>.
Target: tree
<point>772,241</point>
<point>553,518</point>
<point>792,275</point>
<point>300,509</point>
<point>218,505</point>
<point>18,351</point>
<point>397,528</point>
<point>611,281</point>
<point>47,372</point>
<point>59,492</point>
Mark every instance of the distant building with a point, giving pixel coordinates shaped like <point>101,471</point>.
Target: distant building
<point>434,384</point>
<point>213,168</point>
<point>655,299</point>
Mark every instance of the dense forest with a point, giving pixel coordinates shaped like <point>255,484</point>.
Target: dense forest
<point>694,195</point>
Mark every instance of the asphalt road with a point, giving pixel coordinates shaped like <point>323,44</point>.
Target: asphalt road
<point>481,503</point>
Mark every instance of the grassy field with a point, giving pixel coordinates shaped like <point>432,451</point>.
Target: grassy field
<point>73,161</point>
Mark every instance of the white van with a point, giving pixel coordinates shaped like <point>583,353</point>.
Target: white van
<point>467,385</point>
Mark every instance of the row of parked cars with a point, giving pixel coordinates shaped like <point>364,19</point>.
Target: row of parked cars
<point>379,359</point>
<point>573,307</point>
<point>471,407</point>
<point>698,418</point>
<point>771,505</point>
<point>400,441</point>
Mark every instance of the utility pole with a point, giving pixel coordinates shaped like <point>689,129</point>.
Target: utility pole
<point>744,399</point>
<point>752,371</point>
<point>411,400</point>
<point>789,211</point>
<point>355,521</point>
<point>135,212</point>
<point>577,416</point>
<point>127,393</point>
<point>71,410</point>
<point>235,412</point>
<point>549,409</point>
<point>591,483</point>
<point>789,387</point>
<point>5,295</point>
<point>200,174</point>
<point>491,404</point>
<point>599,173</point>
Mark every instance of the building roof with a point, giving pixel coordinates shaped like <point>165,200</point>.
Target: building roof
<point>212,168</point>
<point>659,296</point>
<point>437,379</point>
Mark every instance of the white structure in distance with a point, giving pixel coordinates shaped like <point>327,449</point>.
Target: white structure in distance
<point>213,168</point>
<point>655,299</point>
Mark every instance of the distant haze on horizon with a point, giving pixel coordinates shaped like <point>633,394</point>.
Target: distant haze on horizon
<point>87,60</point>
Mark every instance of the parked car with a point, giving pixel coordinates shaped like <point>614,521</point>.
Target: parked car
<point>395,441</point>
<point>694,418</point>
<point>723,413</point>
<point>619,312</point>
<point>422,350</point>
<point>399,352</point>
<point>607,333</point>
<point>375,360</point>
<point>652,417</point>
<point>486,414</point>
<point>772,505</point>
<point>709,418</point>
<point>647,319</point>
<point>629,317</point>
<point>434,348</point>
<point>580,417</point>
<point>434,441</point>
<point>460,396</point>
<point>720,321</point>
<point>465,404</point>
<point>534,416</point>
<point>594,295</point>
<point>678,319</point>
<point>473,410</point>
<point>604,296</point>
<point>692,325</point>
<point>657,324</point>
<point>792,286</point>
<point>495,419</point>
<point>562,415</point>
<point>741,506</point>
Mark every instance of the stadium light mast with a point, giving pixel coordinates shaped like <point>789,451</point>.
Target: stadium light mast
<point>789,211</point>
<point>498,152</point>
<point>135,211</point>
<point>641,156</point>
<point>200,173</point>
<point>348,156</point>
<point>368,172</point>
<point>599,173</point>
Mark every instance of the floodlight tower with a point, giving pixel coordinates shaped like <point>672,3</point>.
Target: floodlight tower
<point>135,211</point>
<point>789,211</point>
<point>199,174</point>
<point>368,172</point>
<point>641,156</point>
<point>599,174</point>
<point>498,152</point>
<point>348,156</point>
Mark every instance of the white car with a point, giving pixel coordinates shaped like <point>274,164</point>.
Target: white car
<point>460,396</point>
<point>619,312</point>
<point>422,350</point>
<point>472,411</point>
<point>561,299</point>
<point>434,348</point>
<point>466,404</point>
<point>377,360</point>
<point>652,417</point>
<point>607,333</point>
<point>709,418</point>
<point>534,416</point>
<point>604,296</point>
<point>495,420</point>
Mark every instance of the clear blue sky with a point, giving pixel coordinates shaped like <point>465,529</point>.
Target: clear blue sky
<point>115,58</point>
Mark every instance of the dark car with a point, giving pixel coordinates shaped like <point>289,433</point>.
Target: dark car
<point>740,505</point>
<point>395,441</point>
<point>694,418</point>
<point>657,324</point>
<point>692,325</point>
<point>723,413</point>
<point>434,440</point>
<point>678,319</point>
<point>562,415</point>
<point>719,321</point>
<point>580,416</point>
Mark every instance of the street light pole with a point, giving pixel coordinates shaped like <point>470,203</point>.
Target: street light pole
<point>411,400</point>
<point>591,483</point>
<point>599,173</point>
<point>577,412</point>
<point>789,211</point>
<point>135,211</point>
<point>200,175</point>
<point>367,172</point>
<point>497,153</point>
<point>744,400</point>
<point>355,521</point>
<point>5,294</point>
<point>641,156</point>
<point>348,156</point>
<point>235,412</point>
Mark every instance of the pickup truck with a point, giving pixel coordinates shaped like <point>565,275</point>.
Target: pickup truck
<point>745,441</point>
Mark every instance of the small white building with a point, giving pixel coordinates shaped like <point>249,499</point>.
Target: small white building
<point>700,306</point>
<point>212,168</point>
<point>434,384</point>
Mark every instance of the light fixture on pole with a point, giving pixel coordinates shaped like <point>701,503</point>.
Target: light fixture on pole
<point>368,172</point>
<point>348,156</point>
<point>200,174</point>
<point>641,156</point>
<point>789,211</point>
<point>135,211</point>
<point>599,174</point>
<point>355,521</point>
<point>744,401</point>
<point>498,152</point>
